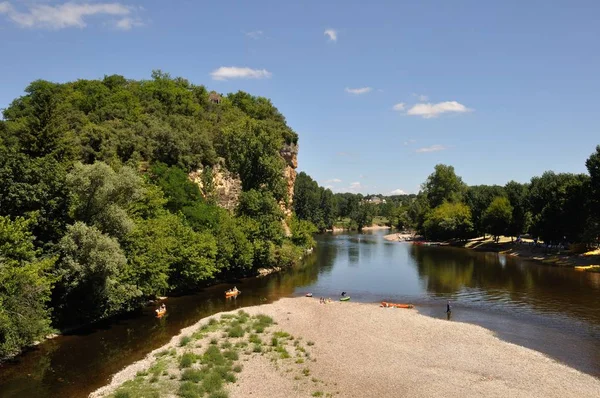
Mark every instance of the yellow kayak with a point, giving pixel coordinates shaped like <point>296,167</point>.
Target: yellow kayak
<point>586,267</point>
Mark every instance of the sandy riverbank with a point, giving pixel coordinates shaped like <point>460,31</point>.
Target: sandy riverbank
<point>361,350</point>
<point>398,237</point>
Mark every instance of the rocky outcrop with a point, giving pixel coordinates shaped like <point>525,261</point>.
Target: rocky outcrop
<point>289,153</point>
<point>223,186</point>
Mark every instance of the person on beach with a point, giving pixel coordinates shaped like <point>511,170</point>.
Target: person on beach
<point>448,310</point>
<point>343,294</point>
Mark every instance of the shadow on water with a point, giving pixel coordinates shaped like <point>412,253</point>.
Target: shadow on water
<point>552,310</point>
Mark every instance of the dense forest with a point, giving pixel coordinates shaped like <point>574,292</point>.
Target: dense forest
<point>97,210</point>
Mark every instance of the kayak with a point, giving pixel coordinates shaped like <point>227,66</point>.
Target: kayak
<point>586,267</point>
<point>231,293</point>
<point>385,304</point>
<point>308,294</point>
<point>345,298</point>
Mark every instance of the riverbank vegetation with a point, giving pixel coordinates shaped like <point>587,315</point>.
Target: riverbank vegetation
<point>559,209</point>
<point>209,358</point>
<point>98,212</point>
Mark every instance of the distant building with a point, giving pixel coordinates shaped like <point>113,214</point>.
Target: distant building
<point>375,200</point>
<point>214,98</point>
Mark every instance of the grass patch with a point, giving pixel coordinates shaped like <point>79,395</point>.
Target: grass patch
<point>317,394</point>
<point>232,355</point>
<point>264,319</point>
<point>241,344</point>
<point>189,389</point>
<point>187,360</point>
<point>237,368</point>
<point>281,335</point>
<point>227,316</point>
<point>283,353</point>
<point>236,331</point>
<point>158,368</point>
<point>193,375</point>
<point>162,353</point>
<point>274,341</point>
<point>310,343</point>
<point>299,360</point>
<point>184,341</point>
<point>306,372</point>
<point>214,341</point>
<point>257,348</point>
<point>255,339</point>
<point>219,394</point>
<point>226,344</point>
<point>136,388</point>
<point>212,382</point>
<point>213,357</point>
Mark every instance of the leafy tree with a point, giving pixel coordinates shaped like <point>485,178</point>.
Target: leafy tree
<point>262,207</point>
<point>24,288</point>
<point>479,198</point>
<point>90,272</point>
<point>444,185</point>
<point>521,217</point>
<point>592,233</point>
<point>498,216</point>
<point>178,189</point>
<point>302,232</point>
<point>101,197</point>
<point>558,205</point>
<point>448,221</point>
<point>363,215</point>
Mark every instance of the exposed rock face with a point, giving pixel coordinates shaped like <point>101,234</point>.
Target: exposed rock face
<point>226,186</point>
<point>290,154</point>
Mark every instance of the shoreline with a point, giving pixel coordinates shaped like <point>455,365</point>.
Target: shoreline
<point>397,352</point>
<point>513,249</point>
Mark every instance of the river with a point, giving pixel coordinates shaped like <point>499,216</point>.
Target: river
<point>552,310</point>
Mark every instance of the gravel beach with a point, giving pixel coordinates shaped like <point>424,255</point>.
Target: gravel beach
<point>362,350</point>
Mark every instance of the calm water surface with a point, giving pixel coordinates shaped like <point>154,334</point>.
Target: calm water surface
<point>552,310</point>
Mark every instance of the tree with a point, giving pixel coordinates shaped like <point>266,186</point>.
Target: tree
<point>592,233</point>
<point>448,221</point>
<point>101,196</point>
<point>90,276</point>
<point>479,198</point>
<point>444,185</point>
<point>24,288</point>
<point>521,217</point>
<point>498,216</point>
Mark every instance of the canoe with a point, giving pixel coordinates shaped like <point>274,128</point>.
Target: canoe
<point>232,293</point>
<point>345,298</point>
<point>385,304</point>
<point>160,313</point>
<point>587,267</point>
<point>308,294</point>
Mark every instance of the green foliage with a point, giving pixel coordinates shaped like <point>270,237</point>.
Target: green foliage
<point>90,268</point>
<point>24,288</point>
<point>314,203</point>
<point>443,185</point>
<point>498,216</point>
<point>479,198</point>
<point>302,232</point>
<point>448,221</point>
<point>521,217</point>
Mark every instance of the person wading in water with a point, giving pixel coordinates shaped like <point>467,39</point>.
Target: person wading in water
<point>448,310</point>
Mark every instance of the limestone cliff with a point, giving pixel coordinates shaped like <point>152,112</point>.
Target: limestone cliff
<point>225,187</point>
<point>220,184</point>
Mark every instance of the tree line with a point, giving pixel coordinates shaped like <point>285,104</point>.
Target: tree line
<point>98,215</point>
<point>557,208</point>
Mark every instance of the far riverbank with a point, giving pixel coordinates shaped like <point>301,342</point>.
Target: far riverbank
<point>523,250</point>
<point>354,350</point>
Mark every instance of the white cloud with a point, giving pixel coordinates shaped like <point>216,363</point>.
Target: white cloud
<point>255,34</point>
<point>397,192</point>
<point>429,110</point>
<point>358,91</point>
<point>233,72</point>
<point>399,106</point>
<point>128,23</point>
<point>432,148</point>
<point>67,15</point>
<point>332,34</point>
<point>335,180</point>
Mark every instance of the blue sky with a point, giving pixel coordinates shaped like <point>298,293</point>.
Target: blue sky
<point>378,91</point>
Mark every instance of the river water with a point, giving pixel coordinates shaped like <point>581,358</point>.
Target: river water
<point>552,310</point>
